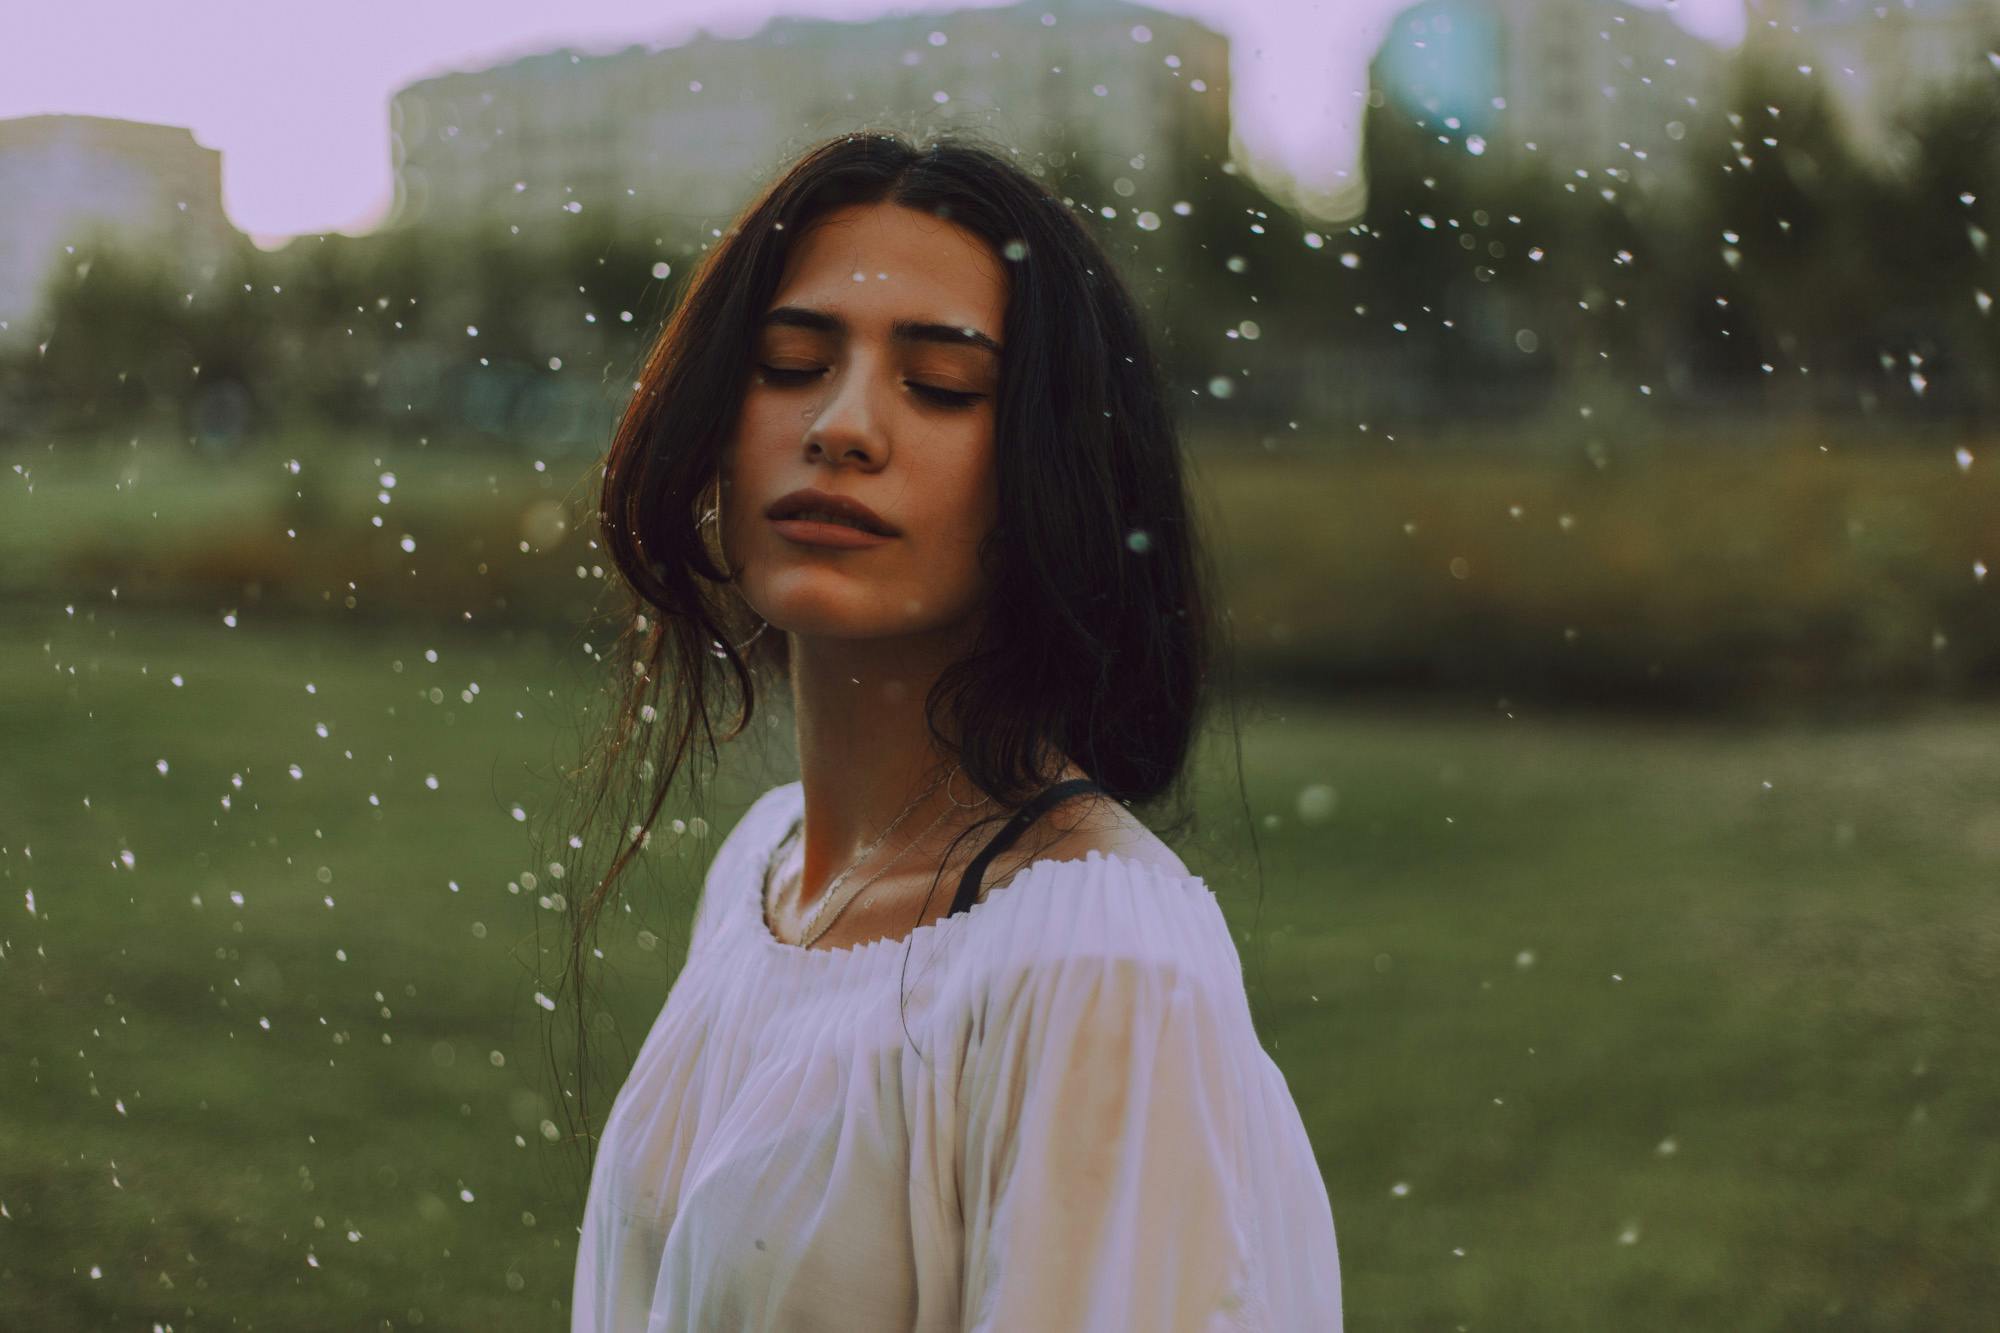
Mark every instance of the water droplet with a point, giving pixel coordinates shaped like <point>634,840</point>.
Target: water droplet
<point>1317,802</point>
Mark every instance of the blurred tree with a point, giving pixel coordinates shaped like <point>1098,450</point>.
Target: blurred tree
<point>1938,264</point>
<point>115,353</point>
<point>1784,230</point>
<point>1785,276</point>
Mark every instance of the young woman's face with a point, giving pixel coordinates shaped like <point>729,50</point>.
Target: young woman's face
<point>874,377</point>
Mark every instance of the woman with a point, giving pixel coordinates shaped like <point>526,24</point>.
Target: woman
<point>903,447</point>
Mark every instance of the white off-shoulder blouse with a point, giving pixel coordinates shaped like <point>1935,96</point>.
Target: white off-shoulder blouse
<point>1050,1112</point>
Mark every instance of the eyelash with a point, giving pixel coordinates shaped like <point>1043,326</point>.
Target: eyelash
<point>953,398</point>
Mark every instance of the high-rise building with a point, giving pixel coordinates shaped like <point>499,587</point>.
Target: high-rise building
<point>691,130</point>
<point>1880,59</point>
<point>65,179</point>
<point>1591,85</point>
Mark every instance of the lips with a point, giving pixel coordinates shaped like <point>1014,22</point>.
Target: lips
<point>810,504</point>
<point>834,536</point>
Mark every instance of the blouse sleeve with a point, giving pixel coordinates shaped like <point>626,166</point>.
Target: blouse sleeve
<point>1102,1165</point>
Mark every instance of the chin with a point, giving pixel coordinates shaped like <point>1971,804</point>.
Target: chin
<point>875,625</point>
<point>824,604</point>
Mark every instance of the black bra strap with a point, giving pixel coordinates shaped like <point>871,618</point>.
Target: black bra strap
<point>968,887</point>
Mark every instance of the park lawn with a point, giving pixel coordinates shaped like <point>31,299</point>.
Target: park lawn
<point>1590,1026</point>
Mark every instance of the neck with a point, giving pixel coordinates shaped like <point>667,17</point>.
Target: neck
<point>865,753</point>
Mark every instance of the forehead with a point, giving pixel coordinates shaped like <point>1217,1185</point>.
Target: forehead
<point>885,261</point>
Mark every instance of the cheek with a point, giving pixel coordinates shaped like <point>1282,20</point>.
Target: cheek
<point>759,424</point>
<point>964,501</point>
<point>759,448</point>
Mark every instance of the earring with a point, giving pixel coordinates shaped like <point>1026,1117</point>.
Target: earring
<point>722,559</point>
<point>715,513</point>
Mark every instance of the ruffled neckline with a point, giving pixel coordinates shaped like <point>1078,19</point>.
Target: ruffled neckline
<point>863,956</point>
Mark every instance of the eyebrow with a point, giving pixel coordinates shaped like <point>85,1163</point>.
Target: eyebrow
<point>903,330</point>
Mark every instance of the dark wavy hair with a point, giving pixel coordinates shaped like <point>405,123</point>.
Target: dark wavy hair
<point>1100,631</point>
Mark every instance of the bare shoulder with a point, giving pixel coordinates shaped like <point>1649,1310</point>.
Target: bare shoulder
<point>1086,824</point>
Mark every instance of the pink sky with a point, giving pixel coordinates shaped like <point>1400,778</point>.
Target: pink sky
<point>296,96</point>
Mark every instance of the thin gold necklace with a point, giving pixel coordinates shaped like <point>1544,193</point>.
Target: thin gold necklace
<point>822,918</point>
<point>829,912</point>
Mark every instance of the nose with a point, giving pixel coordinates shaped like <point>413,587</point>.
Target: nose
<point>847,426</point>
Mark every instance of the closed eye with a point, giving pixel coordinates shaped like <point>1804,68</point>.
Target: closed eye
<point>781,376</point>
<point>944,397</point>
<point>794,377</point>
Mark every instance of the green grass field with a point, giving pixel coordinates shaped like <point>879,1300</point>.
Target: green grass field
<point>1594,1023</point>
